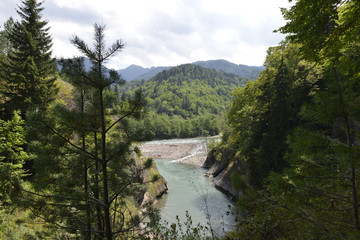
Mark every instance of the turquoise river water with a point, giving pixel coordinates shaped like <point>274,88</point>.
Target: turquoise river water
<point>190,190</point>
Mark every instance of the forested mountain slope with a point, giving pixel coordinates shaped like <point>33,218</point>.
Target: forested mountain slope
<point>229,67</point>
<point>186,100</point>
<point>293,148</point>
<point>134,72</point>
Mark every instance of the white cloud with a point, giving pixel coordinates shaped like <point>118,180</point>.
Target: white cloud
<point>166,32</point>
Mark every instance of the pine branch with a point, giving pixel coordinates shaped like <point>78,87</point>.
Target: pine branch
<point>122,150</point>
<point>313,190</point>
<point>74,146</point>
<point>116,47</point>
<point>119,192</point>
<point>130,113</point>
<point>83,47</point>
<point>307,217</point>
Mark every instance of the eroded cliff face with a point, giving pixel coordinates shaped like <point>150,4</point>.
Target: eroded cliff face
<point>149,190</point>
<point>222,165</point>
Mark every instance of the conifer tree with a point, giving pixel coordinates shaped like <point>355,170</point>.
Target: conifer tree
<point>29,70</point>
<point>4,48</point>
<point>317,196</point>
<point>12,157</point>
<point>85,169</point>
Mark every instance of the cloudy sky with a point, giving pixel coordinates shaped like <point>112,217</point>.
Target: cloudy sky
<point>166,32</point>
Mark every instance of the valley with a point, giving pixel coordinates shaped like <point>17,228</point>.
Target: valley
<point>88,152</point>
<point>179,161</point>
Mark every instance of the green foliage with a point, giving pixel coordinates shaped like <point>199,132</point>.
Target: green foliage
<point>264,112</point>
<point>12,157</point>
<point>184,101</point>
<point>311,23</point>
<point>4,37</point>
<point>152,183</point>
<point>65,92</point>
<point>4,48</point>
<point>85,180</point>
<point>28,69</point>
<point>189,90</point>
<point>20,225</point>
<point>315,196</point>
<point>148,163</point>
<point>182,230</point>
<point>155,178</point>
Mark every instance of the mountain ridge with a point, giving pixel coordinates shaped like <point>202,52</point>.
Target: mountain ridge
<point>136,72</point>
<point>240,70</point>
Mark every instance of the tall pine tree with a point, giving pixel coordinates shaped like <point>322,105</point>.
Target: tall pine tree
<point>29,70</point>
<point>85,169</point>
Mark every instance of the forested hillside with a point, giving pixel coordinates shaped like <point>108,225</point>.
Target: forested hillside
<point>184,101</point>
<point>68,165</point>
<point>134,72</point>
<point>251,72</point>
<point>293,149</point>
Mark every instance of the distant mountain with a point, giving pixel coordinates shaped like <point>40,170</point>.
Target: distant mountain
<point>189,90</point>
<point>132,72</point>
<point>87,64</point>
<point>153,71</point>
<point>135,72</point>
<point>226,66</point>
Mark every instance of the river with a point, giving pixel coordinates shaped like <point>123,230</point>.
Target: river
<point>189,189</point>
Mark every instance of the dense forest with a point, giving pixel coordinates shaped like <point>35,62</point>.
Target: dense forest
<point>184,101</point>
<point>134,72</point>
<point>70,167</point>
<point>294,138</point>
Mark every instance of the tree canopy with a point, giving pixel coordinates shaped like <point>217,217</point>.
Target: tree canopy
<point>297,128</point>
<point>28,69</point>
<point>185,101</point>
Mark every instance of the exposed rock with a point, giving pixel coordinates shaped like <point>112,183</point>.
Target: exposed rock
<point>149,191</point>
<point>168,151</point>
<point>221,164</point>
<point>223,181</point>
<point>220,161</point>
<point>156,189</point>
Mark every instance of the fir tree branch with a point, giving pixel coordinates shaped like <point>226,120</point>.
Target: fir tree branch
<point>74,146</point>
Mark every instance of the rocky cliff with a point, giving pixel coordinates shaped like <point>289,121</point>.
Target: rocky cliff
<point>152,185</point>
<point>222,164</point>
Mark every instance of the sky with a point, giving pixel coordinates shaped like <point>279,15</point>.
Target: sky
<point>165,32</point>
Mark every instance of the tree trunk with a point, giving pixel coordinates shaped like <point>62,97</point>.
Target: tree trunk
<point>86,184</point>
<point>107,220</point>
<point>352,164</point>
<point>96,191</point>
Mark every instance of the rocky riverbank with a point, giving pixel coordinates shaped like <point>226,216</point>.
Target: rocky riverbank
<point>153,190</point>
<point>222,164</point>
<point>195,152</point>
<point>189,152</point>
